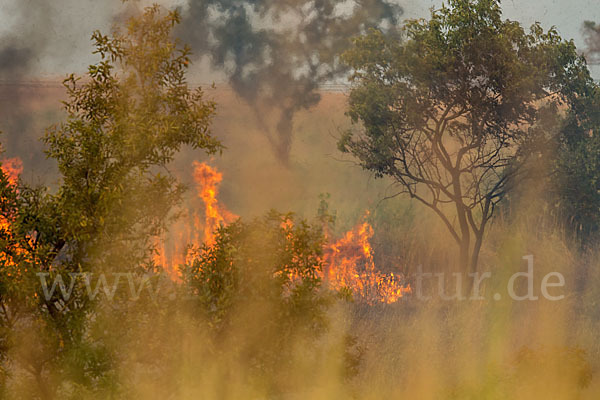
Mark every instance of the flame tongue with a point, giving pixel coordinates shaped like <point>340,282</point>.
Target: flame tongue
<point>348,261</point>
<point>172,250</point>
<point>208,180</point>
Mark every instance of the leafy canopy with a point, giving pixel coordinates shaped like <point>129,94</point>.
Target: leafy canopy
<point>126,120</point>
<point>454,110</point>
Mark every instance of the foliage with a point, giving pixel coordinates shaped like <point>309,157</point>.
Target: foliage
<point>452,112</point>
<point>576,170</point>
<point>577,166</point>
<point>124,126</point>
<point>276,260</point>
<point>258,290</point>
<point>125,122</point>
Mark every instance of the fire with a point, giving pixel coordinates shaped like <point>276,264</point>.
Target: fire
<point>208,180</point>
<point>173,249</point>
<point>349,264</point>
<point>12,168</point>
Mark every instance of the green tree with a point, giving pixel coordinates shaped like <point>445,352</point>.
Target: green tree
<point>276,259</point>
<point>454,111</point>
<point>258,291</point>
<point>125,122</point>
<point>576,169</point>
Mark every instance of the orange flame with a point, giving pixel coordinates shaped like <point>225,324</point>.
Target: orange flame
<point>12,168</point>
<point>208,180</point>
<point>173,249</point>
<point>349,264</point>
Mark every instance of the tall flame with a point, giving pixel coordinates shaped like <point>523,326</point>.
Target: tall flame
<point>172,251</point>
<point>208,180</point>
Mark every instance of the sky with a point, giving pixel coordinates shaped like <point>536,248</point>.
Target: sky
<point>566,15</point>
<point>61,29</point>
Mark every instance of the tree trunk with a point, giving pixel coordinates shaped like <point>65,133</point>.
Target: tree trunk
<point>476,250</point>
<point>463,257</point>
<point>472,264</point>
<point>465,231</point>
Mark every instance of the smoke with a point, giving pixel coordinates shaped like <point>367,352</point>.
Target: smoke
<point>591,33</point>
<point>45,40</point>
<point>275,54</point>
<point>13,59</point>
<point>17,55</point>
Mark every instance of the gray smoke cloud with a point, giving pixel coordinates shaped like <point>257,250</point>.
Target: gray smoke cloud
<point>18,52</point>
<point>41,41</point>
<point>276,53</point>
<point>591,32</point>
